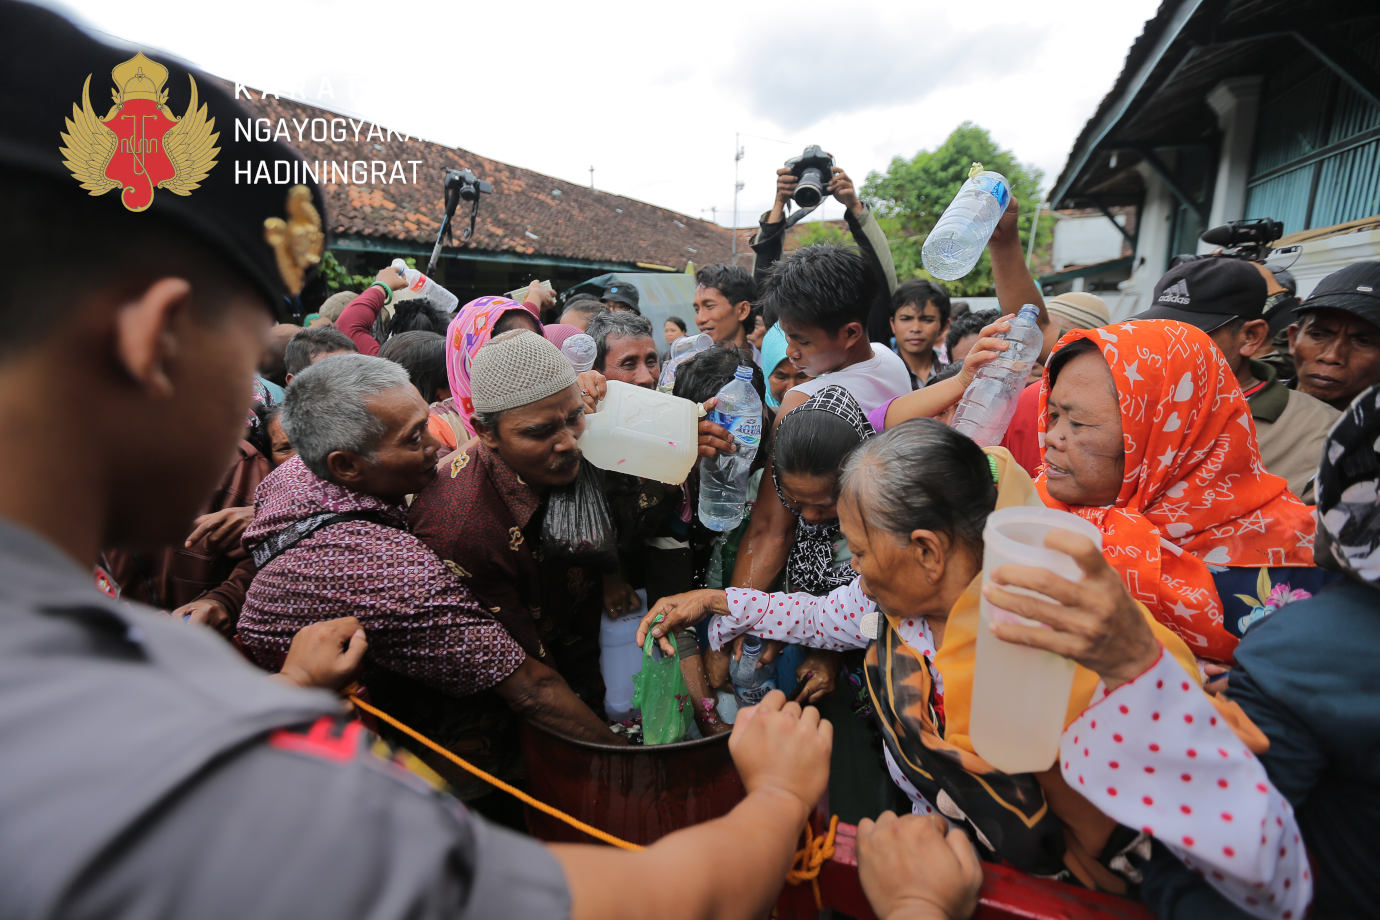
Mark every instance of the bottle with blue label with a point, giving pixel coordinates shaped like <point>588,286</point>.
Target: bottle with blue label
<point>957,240</point>
<point>724,479</point>
<point>751,679</point>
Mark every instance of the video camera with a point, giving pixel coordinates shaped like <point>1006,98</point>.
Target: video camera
<point>1243,239</point>
<point>814,168</point>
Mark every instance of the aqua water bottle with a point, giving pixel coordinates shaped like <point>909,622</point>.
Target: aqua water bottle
<point>957,240</point>
<point>724,478</point>
<point>751,679</point>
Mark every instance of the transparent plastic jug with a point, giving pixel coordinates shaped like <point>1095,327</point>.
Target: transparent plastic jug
<point>1021,694</point>
<point>643,433</point>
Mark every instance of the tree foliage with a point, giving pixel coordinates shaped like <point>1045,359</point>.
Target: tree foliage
<point>912,194</point>
<point>338,278</point>
<point>810,233</point>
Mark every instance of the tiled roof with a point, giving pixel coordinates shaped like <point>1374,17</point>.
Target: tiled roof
<point>528,214</point>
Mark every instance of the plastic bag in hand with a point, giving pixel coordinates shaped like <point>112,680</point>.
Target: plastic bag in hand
<point>659,691</point>
<point>578,526</point>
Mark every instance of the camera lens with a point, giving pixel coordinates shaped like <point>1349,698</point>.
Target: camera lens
<point>810,190</point>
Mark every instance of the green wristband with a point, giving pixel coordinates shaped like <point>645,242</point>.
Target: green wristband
<point>387,292</point>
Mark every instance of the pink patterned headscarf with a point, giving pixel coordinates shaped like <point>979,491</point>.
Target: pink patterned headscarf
<point>471,330</point>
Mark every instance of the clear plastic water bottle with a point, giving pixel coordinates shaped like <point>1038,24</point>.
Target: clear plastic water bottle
<point>724,479</point>
<point>750,682</point>
<point>581,350</point>
<point>421,284</point>
<point>682,350</point>
<point>990,400</point>
<point>956,242</point>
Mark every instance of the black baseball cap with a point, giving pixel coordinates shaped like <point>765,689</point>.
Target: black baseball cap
<point>1355,289</point>
<point>622,292</point>
<point>56,118</point>
<point>1209,293</point>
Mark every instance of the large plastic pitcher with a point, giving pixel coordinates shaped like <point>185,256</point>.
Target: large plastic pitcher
<point>1021,694</point>
<point>642,433</point>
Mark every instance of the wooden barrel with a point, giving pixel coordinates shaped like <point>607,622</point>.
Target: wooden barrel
<point>637,793</point>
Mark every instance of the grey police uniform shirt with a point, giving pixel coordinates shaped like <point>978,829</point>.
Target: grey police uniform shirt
<point>146,771</point>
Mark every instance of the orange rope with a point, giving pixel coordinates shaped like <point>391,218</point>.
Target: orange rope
<point>494,780</point>
<point>805,865</point>
<point>810,858</point>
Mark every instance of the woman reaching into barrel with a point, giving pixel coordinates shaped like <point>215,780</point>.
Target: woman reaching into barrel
<point>913,506</point>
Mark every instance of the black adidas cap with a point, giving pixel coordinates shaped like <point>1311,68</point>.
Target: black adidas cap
<point>117,128</point>
<point>1209,293</point>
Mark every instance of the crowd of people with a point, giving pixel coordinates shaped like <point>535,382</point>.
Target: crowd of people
<point>273,512</point>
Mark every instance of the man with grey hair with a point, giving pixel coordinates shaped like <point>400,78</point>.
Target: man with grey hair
<point>627,351</point>
<point>330,538</point>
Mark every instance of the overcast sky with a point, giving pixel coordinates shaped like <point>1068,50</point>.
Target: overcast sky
<point>652,94</point>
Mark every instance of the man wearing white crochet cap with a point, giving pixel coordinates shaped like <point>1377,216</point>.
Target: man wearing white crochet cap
<point>484,512</point>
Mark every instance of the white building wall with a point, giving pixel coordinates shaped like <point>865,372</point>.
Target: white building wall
<point>1152,248</point>
<point>1085,240</point>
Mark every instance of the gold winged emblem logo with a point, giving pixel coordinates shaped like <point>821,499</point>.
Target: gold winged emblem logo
<point>138,146</point>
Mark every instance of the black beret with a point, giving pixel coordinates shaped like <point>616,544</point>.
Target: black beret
<point>146,136</point>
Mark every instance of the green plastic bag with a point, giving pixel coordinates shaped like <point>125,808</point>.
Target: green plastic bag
<point>659,691</point>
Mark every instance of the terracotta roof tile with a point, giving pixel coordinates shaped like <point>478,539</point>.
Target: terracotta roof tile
<point>569,221</point>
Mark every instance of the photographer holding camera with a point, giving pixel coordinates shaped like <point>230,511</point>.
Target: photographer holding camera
<point>814,166</point>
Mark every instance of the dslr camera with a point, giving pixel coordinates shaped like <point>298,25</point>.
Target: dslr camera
<point>466,185</point>
<point>814,168</point>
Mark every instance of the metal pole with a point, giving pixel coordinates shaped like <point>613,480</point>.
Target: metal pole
<point>1034,225</point>
<point>737,157</point>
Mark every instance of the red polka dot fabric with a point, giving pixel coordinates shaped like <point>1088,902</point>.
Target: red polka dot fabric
<point>1153,754</point>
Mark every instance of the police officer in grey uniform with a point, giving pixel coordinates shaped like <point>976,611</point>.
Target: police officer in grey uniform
<point>146,770</point>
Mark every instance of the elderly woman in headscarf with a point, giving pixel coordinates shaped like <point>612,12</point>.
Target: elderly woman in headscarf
<point>1146,434</point>
<point>913,506</point>
<point>1306,677</point>
<point>477,322</point>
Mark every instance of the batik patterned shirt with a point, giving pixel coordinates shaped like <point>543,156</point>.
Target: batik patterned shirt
<point>422,622</point>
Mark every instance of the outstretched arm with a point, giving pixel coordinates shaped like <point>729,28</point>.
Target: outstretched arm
<point>1015,286</point>
<point>731,867</point>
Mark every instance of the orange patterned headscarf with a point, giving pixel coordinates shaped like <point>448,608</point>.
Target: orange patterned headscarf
<point>1195,491</point>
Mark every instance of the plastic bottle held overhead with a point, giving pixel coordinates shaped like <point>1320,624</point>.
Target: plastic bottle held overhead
<point>751,682</point>
<point>1021,694</point>
<point>724,478</point>
<point>990,400</point>
<point>581,350</point>
<point>682,350</point>
<point>644,433</point>
<point>957,240</point>
<point>426,287</point>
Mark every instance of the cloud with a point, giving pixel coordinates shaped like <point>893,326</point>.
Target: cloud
<point>795,80</point>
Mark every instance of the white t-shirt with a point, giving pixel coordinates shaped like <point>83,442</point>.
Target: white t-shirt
<point>872,383</point>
